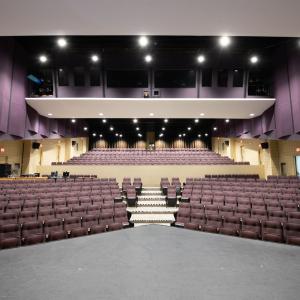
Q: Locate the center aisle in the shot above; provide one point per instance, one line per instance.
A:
(151, 208)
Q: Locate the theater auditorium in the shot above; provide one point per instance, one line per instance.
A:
(149, 149)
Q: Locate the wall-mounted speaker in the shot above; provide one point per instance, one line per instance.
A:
(226, 143)
(265, 145)
(73, 143)
(156, 93)
(35, 145)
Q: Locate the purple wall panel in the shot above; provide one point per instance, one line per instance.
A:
(246, 126)
(283, 113)
(17, 112)
(32, 120)
(268, 120)
(294, 80)
(6, 65)
(62, 127)
(44, 126)
(53, 126)
(79, 92)
(178, 92)
(125, 92)
(239, 127)
(218, 92)
(256, 129)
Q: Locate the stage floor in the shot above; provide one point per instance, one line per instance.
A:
(151, 262)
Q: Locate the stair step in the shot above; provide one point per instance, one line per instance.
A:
(152, 210)
(152, 218)
(151, 197)
(152, 203)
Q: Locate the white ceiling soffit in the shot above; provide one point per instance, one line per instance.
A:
(152, 17)
(235, 108)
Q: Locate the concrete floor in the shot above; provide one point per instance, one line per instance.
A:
(151, 262)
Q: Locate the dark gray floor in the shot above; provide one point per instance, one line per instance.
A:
(151, 262)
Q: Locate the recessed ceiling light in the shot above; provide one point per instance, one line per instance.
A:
(62, 42)
(117, 134)
(227, 121)
(151, 114)
(196, 120)
(252, 115)
(85, 128)
(135, 121)
(215, 128)
(140, 135)
(120, 135)
(161, 135)
(202, 114)
(201, 59)
(254, 59)
(199, 135)
(73, 121)
(95, 58)
(183, 134)
(189, 128)
(94, 134)
(43, 58)
(206, 134)
(180, 135)
(143, 41)
(148, 58)
(100, 114)
(163, 128)
(137, 128)
(50, 114)
(111, 128)
(104, 121)
(100, 135)
(224, 41)
(166, 120)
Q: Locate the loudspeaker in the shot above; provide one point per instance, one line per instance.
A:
(265, 145)
(226, 143)
(5, 170)
(35, 145)
(73, 143)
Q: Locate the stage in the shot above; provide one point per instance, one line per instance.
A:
(151, 262)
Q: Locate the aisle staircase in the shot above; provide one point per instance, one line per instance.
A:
(151, 208)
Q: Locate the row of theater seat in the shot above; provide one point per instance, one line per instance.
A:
(247, 207)
(14, 235)
(156, 157)
(35, 211)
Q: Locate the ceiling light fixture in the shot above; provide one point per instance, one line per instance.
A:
(95, 58)
(224, 41)
(201, 59)
(62, 42)
(254, 59)
(199, 135)
(43, 58)
(189, 128)
(100, 114)
(227, 121)
(104, 121)
(143, 41)
(120, 135)
(50, 114)
(180, 135)
(196, 120)
(166, 120)
(94, 134)
(252, 115)
(151, 114)
(111, 128)
(215, 128)
(135, 121)
(161, 135)
(202, 114)
(206, 134)
(183, 134)
(137, 128)
(100, 135)
(73, 121)
(163, 128)
(148, 58)
(85, 128)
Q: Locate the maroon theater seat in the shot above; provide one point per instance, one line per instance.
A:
(98, 229)
(53, 225)
(191, 226)
(32, 239)
(213, 223)
(76, 232)
(292, 233)
(231, 226)
(250, 228)
(90, 220)
(71, 223)
(272, 231)
(115, 226)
